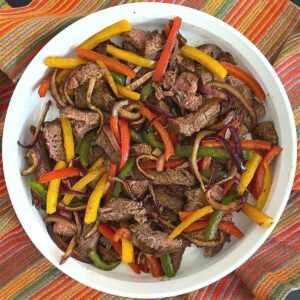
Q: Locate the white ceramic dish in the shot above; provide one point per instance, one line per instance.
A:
(196, 271)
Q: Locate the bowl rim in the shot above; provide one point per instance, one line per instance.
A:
(163, 289)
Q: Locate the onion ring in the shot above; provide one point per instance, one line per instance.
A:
(151, 157)
(54, 91)
(216, 205)
(134, 85)
(35, 162)
(220, 125)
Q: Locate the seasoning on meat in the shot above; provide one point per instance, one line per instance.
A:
(195, 199)
(266, 131)
(166, 199)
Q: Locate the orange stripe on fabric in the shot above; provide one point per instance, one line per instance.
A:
(244, 16)
(199, 3)
(234, 11)
(63, 290)
(34, 5)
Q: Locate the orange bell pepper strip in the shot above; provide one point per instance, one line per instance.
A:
(185, 214)
(155, 266)
(45, 85)
(204, 163)
(246, 78)
(168, 164)
(60, 173)
(257, 216)
(167, 51)
(125, 142)
(114, 126)
(169, 149)
(111, 63)
(173, 137)
(120, 233)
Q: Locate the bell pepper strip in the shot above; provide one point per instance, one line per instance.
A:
(83, 182)
(62, 74)
(118, 78)
(246, 144)
(257, 216)
(123, 174)
(125, 141)
(106, 33)
(136, 137)
(112, 171)
(59, 173)
(97, 164)
(108, 77)
(204, 163)
(163, 61)
(127, 93)
(246, 78)
(109, 235)
(68, 138)
(166, 264)
(53, 189)
(206, 60)
(111, 63)
(199, 213)
(146, 91)
(101, 264)
(38, 188)
(168, 164)
(227, 186)
(94, 200)
(258, 180)
(263, 197)
(150, 139)
(218, 153)
(130, 57)
(246, 177)
(45, 85)
(169, 149)
(114, 126)
(185, 214)
(120, 233)
(84, 147)
(215, 219)
(173, 137)
(63, 62)
(127, 251)
(155, 267)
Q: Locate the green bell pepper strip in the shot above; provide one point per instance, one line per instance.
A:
(76, 203)
(207, 174)
(38, 188)
(122, 175)
(216, 217)
(99, 263)
(166, 264)
(150, 139)
(84, 146)
(118, 78)
(136, 137)
(147, 90)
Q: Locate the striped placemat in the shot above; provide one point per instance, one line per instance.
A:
(273, 26)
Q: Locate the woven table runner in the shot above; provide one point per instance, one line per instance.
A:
(273, 26)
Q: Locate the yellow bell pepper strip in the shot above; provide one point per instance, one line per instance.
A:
(94, 200)
(247, 176)
(53, 190)
(63, 62)
(68, 138)
(97, 164)
(82, 183)
(108, 77)
(199, 213)
(207, 61)
(127, 93)
(263, 197)
(127, 251)
(257, 216)
(130, 57)
(106, 33)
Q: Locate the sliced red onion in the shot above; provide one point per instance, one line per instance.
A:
(220, 125)
(157, 110)
(76, 164)
(211, 92)
(64, 189)
(238, 145)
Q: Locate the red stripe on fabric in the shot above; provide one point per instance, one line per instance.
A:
(54, 286)
(12, 233)
(13, 241)
(234, 11)
(199, 3)
(244, 14)
(67, 286)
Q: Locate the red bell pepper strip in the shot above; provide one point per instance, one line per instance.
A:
(112, 171)
(109, 235)
(125, 142)
(155, 267)
(121, 233)
(173, 137)
(45, 85)
(247, 79)
(168, 164)
(56, 174)
(228, 184)
(258, 179)
(246, 144)
(111, 63)
(204, 163)
(169, 149)
(167, 51)
(114, 126)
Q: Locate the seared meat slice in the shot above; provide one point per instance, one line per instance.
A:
(126, 45)
(195, 199)
(67, 229)
(153, 44)
(163, 106)
(211, 49)
(101, 48)
(168, 81)
(135, 174)
(108, 255)
(168, 200)
(211, 251)
(266, 131)
(54, 140)
(227, 57)
(86, 244)
(193, 122)
(205, 76)
(159, 93)
(122, 209)
(136, 37)
(259, 109)
(138, 187)
(187, 82)
(83, 74)
(140, 149)
(176, 257)
(173, 177)
(189, 102)
(241, 87)
(95, 152)
(153, 242)
(169, 215)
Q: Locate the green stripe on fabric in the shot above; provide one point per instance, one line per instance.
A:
(224, 8)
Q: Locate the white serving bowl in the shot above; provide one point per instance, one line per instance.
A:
(196, 271)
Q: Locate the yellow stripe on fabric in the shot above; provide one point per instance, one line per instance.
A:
(297, 116)
(241, 12)
(212, 6)
(8, 221)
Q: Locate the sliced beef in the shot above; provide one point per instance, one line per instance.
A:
(159, 93)
(166, 199)
(241, 87)
(140, 149)
(122, 209)
(135, 174)
(176, 257)
(259, 109)
(37, 201)
(242, 130)
(83, 74)
(64, 229)
(212, 50)
(162, 106)
(101, 48)
(153, 45)
(195, 199)
(205, 76)
(54, 139)
(94, 153)
(153, 242)
(177, 190)
(193, 122)
(227, 57)
(187, 82)
(211, 251)
(173, 177)
(108, 255)
(128, 46)
(169, 215)
(136, 37)
(86, 244)
(266, 131)
(138, 187)
(169, 79)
